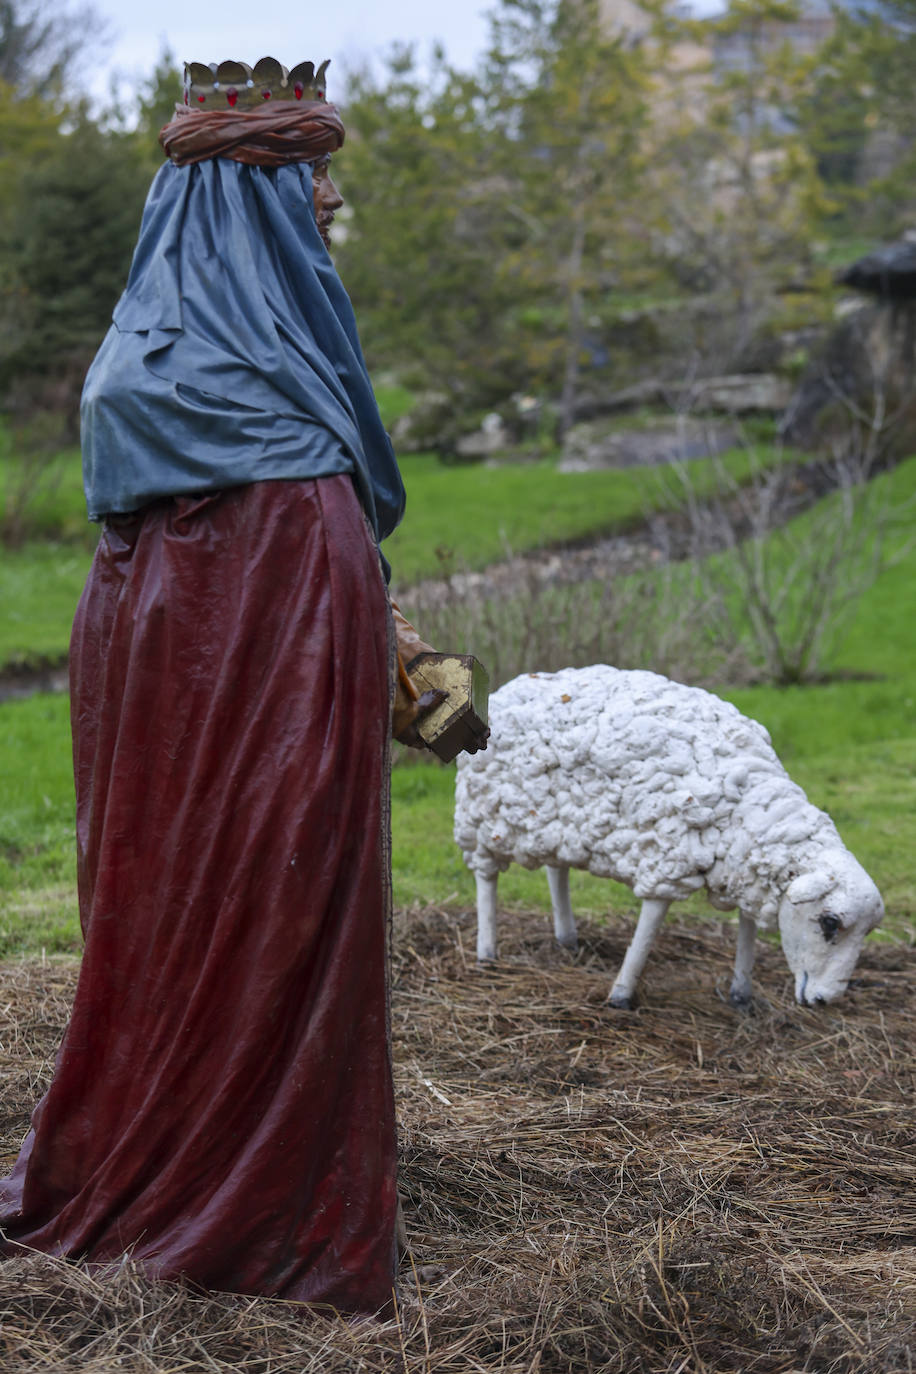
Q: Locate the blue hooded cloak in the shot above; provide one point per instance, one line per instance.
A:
(233, 356)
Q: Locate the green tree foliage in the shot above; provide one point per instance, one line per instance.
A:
(41, 44)
(569, 97)
(743, 199)
(70, 197)
(156, 104)
(835, 113)
(29, 128)
(489, 215)
(887, 38)
(874, 51)
(29, 132)
(68, 253)
(421, 251)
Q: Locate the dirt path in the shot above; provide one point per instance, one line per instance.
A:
(663, 537)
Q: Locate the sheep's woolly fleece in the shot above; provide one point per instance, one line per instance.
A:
(663, 787)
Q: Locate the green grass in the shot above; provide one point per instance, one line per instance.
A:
(393, 402)
(457, 517)
(40, 582)
(850, 743)
(467, 516)
(870, 792)
(55, 508)
(39, 588)
(37, 854)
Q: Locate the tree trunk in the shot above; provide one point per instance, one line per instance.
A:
(574, 320)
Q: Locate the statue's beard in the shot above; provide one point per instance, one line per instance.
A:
(324, 221)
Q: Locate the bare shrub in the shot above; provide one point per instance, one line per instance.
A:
(31, 467)
(743, 580)
(536, 623)
(780, 561)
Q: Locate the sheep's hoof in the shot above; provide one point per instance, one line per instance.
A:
(621, 1000)
(485, 960)
(740, 996)
(571, 942)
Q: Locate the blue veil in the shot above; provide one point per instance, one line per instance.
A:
(233, 355)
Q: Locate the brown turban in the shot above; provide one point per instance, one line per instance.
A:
(279, 133)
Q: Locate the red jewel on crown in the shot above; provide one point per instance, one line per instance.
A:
(247, 87)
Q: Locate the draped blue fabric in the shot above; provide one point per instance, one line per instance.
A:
(233, 355)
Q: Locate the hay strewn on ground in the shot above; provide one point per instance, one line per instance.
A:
(681, 1189)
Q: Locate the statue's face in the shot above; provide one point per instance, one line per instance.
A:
(327, 197)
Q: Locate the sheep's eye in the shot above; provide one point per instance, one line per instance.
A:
(829, 926)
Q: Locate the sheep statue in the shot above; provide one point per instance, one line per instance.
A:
(667, 789)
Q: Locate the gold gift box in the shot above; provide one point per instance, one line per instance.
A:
(461, 720)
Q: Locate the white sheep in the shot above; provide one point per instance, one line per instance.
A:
(667, 789)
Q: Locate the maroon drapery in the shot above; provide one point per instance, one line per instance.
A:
(222, 1104)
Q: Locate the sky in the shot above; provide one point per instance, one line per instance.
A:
(347, 31)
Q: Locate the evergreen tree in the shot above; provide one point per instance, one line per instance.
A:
(490, 216)
(419, 250)
(569, 97)
(156, 104)
(42, 43)
(67, 256)
(743, 200)
(874, 51)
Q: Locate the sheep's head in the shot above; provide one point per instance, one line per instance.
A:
(824, 917)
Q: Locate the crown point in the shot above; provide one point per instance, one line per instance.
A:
(251, 87)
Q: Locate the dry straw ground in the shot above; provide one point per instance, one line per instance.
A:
(681, 1189)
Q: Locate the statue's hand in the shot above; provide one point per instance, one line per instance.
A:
(408, 714)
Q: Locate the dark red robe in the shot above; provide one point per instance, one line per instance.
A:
(222, 1104)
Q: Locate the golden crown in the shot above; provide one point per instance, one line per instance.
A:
(235, 85)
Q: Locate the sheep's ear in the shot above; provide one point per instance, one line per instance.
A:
(810, 887)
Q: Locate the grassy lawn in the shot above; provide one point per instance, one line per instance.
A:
(458, 517)
(37, 856)
(39, 588)
(40, 581)
(468, 516)
(46, 489)
(850, 743)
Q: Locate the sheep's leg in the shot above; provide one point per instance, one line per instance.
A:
(486, 917)
(740, 991)
(647, 927)
(564, 922)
